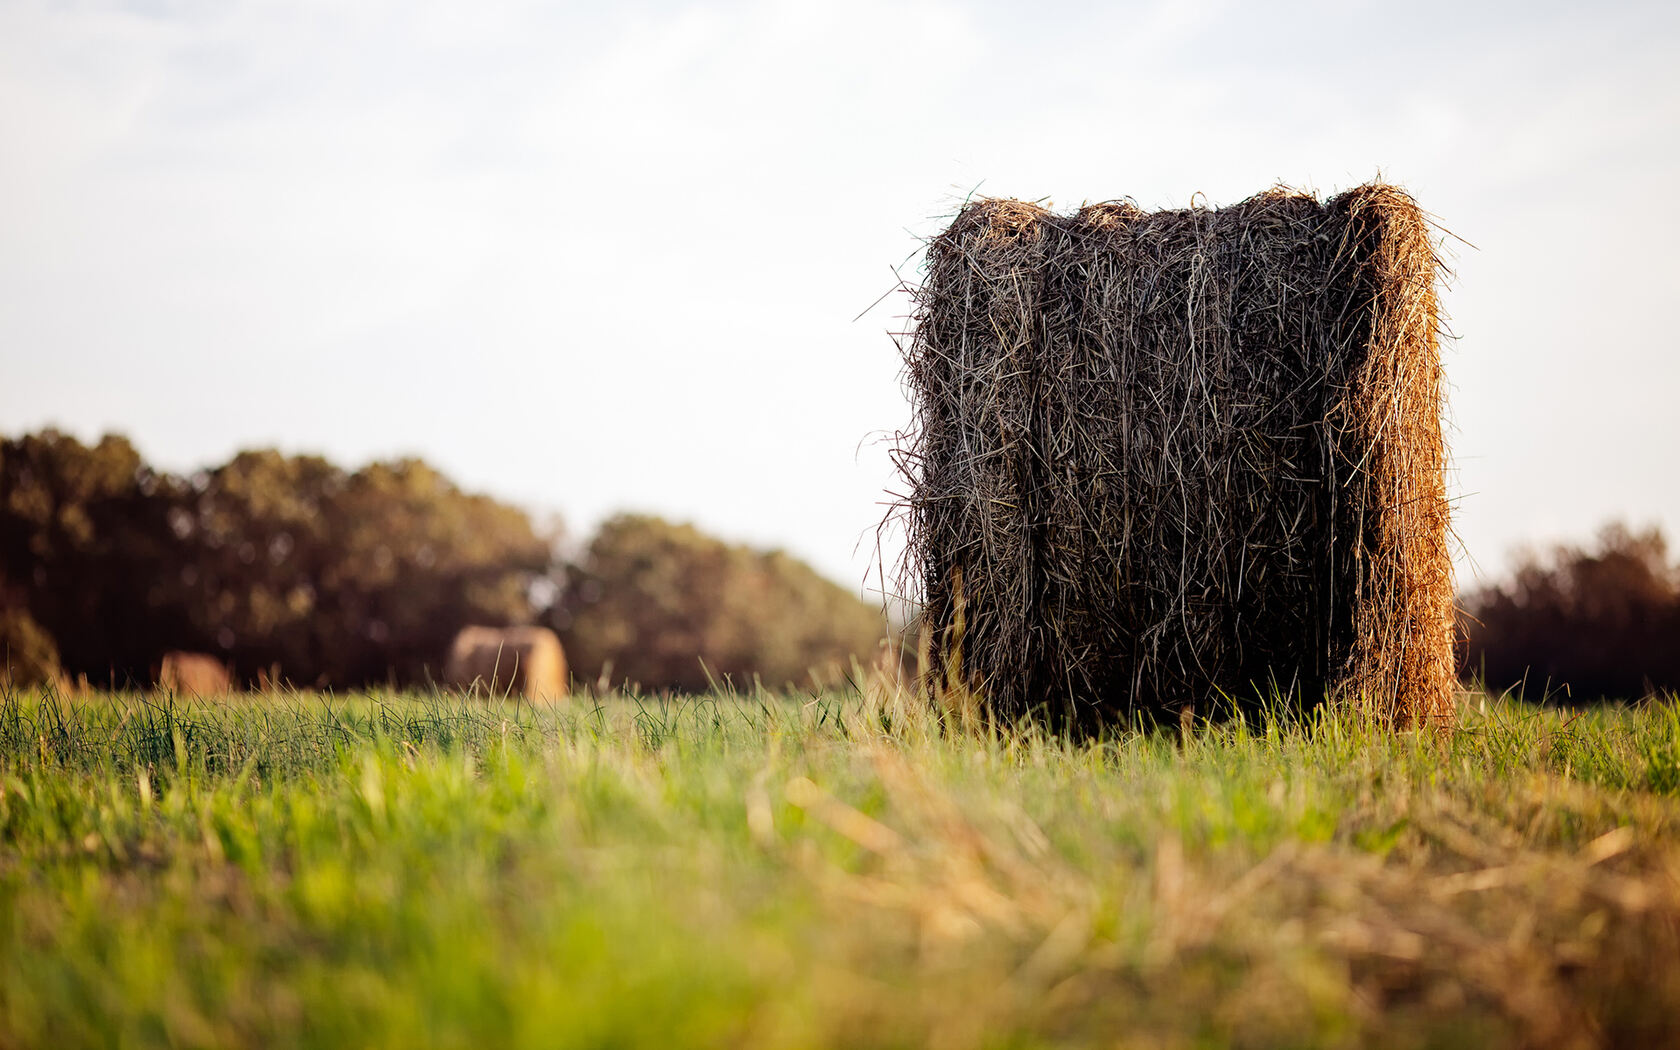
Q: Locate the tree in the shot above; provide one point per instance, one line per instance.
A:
(337, 578)
(1603, 622)
(665, 606)
(417, 559)
(85, 547)
(351, 578)
(257, 538)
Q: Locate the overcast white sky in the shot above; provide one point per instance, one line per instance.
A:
(588, 260)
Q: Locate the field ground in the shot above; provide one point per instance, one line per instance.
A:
(749, 871)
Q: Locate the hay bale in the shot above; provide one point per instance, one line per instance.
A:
(1159, 457)
(523, 661)
(197, 674)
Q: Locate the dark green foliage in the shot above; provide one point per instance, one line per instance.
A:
(329, 577)
(85, 546)
(269, 561)
(1582, 624)
(666, 606)
(351, 577)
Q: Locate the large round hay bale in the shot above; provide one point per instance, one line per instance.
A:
(194, 674)
(1162, 459)
(520, 661)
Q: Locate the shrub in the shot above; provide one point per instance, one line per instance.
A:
(28, 654)
(664, 605)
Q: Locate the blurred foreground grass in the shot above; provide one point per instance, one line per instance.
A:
(752, 871)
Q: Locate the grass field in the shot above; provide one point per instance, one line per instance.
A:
(754, 871)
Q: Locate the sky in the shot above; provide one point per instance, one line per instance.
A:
(590, 258)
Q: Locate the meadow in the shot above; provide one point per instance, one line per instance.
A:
(755, 870)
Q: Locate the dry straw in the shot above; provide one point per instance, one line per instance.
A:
(1163, 458)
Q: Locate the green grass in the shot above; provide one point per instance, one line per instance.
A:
(752, 871)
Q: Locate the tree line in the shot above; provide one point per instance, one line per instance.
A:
(293, 567)
(1580, 623)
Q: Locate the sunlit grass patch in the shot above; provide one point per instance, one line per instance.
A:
(745, 869)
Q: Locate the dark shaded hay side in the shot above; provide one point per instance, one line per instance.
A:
(1159, 457)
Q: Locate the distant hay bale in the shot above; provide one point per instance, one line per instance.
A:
(521, 661)
(1162, 457)
(195, 674)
